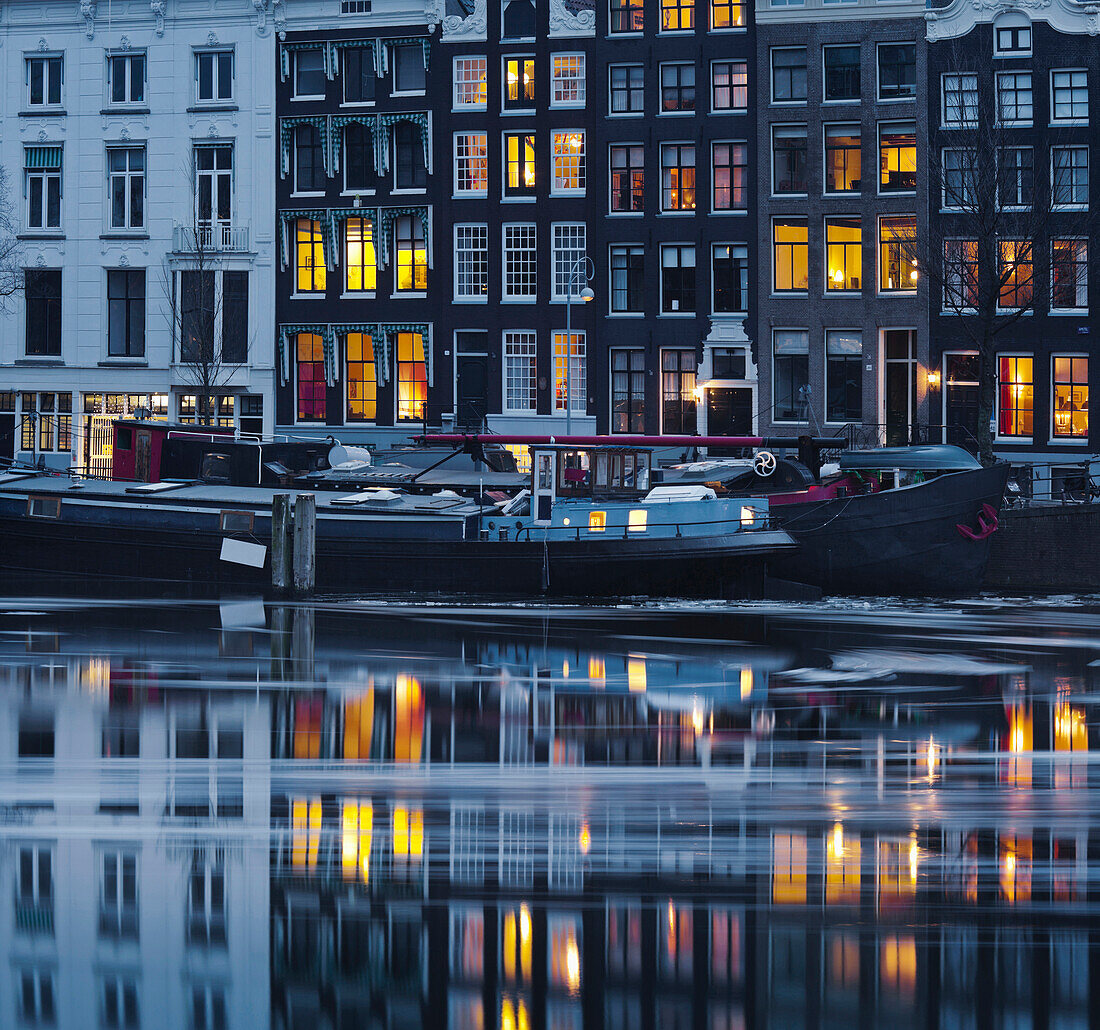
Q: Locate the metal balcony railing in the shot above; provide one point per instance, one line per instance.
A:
(215, 236)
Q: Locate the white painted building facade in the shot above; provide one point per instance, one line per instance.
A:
(130, 130)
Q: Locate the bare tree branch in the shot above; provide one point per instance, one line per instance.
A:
(11, 248)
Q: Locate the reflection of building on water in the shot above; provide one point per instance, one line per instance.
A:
(192, 849)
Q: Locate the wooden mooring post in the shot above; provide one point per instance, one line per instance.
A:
(305, 543)
(281, 544)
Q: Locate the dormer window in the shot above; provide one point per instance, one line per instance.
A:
(1012, 35)
(518, 19)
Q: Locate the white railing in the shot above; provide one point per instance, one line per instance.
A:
(216, 236)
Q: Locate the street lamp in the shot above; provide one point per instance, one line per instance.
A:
(582, 263)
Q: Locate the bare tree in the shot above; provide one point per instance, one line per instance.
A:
(11, 258)
(1000, 204)
(210, 332)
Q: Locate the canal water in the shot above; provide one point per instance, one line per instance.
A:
(361, 814)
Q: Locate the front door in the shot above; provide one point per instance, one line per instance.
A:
(473, 390)
(141, 458)
(960, 400)
(900, 386)
(7, 435)
(729, 413)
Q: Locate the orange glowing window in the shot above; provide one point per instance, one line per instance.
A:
(842, 855)
(789, 868)
(898, 965)
(408, 719)
(357, 832)
(516, 944)
(1015, 868)
(597, 521)
(305, 833)
(358, 723)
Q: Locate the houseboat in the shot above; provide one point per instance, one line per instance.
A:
(589, 523)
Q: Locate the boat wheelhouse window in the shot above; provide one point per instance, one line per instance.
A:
(237, 521)
(573, 471)
(601, 470)
(44, 507)
(124, 438)
(216, 468)
(546, 472)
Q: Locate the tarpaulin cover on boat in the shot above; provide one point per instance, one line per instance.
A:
(926, 458)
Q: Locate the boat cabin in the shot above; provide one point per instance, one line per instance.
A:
(149, 452)
(598, 473)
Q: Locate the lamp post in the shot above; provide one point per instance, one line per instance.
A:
(587, 294)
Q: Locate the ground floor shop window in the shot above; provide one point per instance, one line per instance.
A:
(46, 422)
(1071, 396)
(1016, 396)
(206, 410)
(678, 392)
(361, 378)
(310, 352)
(578, 387)
(412, 377)
(99, 412)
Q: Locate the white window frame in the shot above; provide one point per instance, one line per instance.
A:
(945, 205)
(127, 57)
(1021, 22)
(745, 295)
(215, 100)
(879, 98)
(582, 164)
(1073, 441)
(1072, 205)
(999, 112)
(294, 58)
(945, 123)
(578, 370)
(1083, 309)
(556, 254)
(513, 253)
(725, 110)
(559, 82)
(680, 246)
(128, 175)
(462, 63)
(520, 340)
(457, 158)
(788, 329)
(628, 66)
(468, 229)
(46, 175)
(1071, 72)
(45, 57)
(1014, 206)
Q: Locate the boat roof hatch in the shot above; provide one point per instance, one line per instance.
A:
(924, 458)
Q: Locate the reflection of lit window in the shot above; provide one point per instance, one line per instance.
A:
(789, 868)
(624, 940)
(842, 854)
(408, 834)
(897, 872)
(842, 960)
(676, 942)
(597, 671)
(307, 728)
(513, 1013)
(357, 831)
(636, 674)
(1019, 744)
(408, 719)
(898, 965)
(305, 832)
(565, 956)
(467, 943)
(516, 934)
(725, 946)
(1015, 868)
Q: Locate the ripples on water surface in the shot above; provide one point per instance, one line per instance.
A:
(367, 815)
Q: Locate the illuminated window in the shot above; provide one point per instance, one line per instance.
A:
(790, 254)
(843, 160)
(568, 157)
(677, 15)
(897, 157)
(469, 80)
(305, 832)
(627, 178)
(412, 255)
(676, 942)
(564, 932)
(311, 378)
(1015, 861)
(1015, 396)
(567, 80)
(842, 858)
(898, 965)
(408, 836)
(360, 260)
(729, 86)
(578, 389)
(519, 83)
(412, 376)
(356, 838)
(519, 164)
(471, 164)
(637, 520)
(843, 253)
(358, 722)
(789, 868)
(897, 872)
(361, 378)
(1069, 274)
(627, 15)
(897, 266)
(729, 174)
(1015, 274)
(726, 14)
(677, 177)
(310, 252)
(1071, 396)
(516, 944)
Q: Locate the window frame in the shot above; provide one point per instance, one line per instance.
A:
(882, 97)
(48, 59)
(1077, 309)
(829, 222)
(47, 177)
(368, 244)
(962, 123)
(297, 189)
(632, 11)
(733, 86)
(634, 292)
(849, 416)
(557, 80)
(520, 105)
(472, 159)
(476, 297)
(127, 58)
(681, 291)
(825, 98)
(792, 100)
(557, 228)
(881, 290)
(679, 88)
(128, 175)
(631, 91)
(777, 415)
(1072, 119)
(885, 128)
(630, 170)
(999, 434)
(738, 148)
(678, 173)
(793, 131)
(558, 164)
(514, 339)
(1074, 170)
(1017, 75)
(512, 254)
(826, 150)
(523, 191)
(635, 401)
(1072, 382)
(457, 104)
(796, 221)
(128, 350)
(742, 285)
(214, 52)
